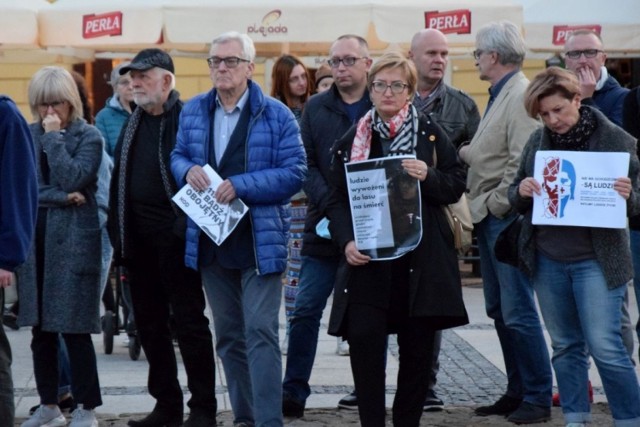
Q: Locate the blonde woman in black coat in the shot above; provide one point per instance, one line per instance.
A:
(417, 293)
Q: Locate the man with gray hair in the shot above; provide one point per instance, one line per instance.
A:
(253, 142)
(493, 156)
(147, 233)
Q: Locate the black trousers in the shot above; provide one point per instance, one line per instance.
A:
(367, 332)
(162, 287)
(85, 385)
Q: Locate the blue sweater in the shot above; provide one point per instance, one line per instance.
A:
(274, 171)
(18, 186)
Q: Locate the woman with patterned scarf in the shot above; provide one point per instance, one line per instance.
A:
(580, 274)
(418, 292)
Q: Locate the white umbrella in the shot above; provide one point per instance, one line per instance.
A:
(399, 20)
(19, 23)
(548, 23)
(112, 25)
(287, 25)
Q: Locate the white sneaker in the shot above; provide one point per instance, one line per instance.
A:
(46, 417)
(83, 418)
(343, 347)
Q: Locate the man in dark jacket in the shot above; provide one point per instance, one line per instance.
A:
(147, 234)
(325, 118)
(18, 208)
(585, 56)
(456, 112)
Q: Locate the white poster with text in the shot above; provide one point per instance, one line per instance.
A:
(385, 207)
(216, 220)
(577, 189)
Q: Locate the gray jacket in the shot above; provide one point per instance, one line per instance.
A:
(611, 245)
(72, 239)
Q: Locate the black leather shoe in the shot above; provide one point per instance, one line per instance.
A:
(504, 406)
(529, 413)
(291, 407)
(200, 420)
(158, 418)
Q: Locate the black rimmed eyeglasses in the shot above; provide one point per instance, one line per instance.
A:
(588, 53)
(349, 61)
(229, 61)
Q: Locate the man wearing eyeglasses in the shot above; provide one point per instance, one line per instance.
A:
(147, 233)
(493, 157)
(253, 142)
(585, 56)
(326, 117)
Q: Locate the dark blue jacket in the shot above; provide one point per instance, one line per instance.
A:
(324, 121)
(274, 171)
(18, 186)
(609, 100)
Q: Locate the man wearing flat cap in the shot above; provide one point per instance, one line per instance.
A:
(147, 233)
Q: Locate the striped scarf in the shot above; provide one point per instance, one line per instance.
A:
(402, 130)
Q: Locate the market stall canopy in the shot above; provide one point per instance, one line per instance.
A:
(309, 27)
(397, 21)
(102, 25)
(288, 25)
(548, 23)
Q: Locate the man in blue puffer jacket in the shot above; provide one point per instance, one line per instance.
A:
(253, 142)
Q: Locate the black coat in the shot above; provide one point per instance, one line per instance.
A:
(324, 121)
(434, 289)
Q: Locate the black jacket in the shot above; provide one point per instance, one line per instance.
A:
(324, 120)
(119, 222)
(457, 113)
(434, 289)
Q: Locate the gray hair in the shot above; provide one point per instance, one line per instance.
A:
(504, 38)
(115, 74)
(248, 48)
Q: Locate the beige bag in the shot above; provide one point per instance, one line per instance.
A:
(459, 217)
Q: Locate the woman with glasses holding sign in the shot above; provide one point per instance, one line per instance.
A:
(410, 295)
(60, 284)
(580, 274)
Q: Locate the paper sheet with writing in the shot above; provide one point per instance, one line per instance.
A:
(215, 219)
(385, 207)
(577, 189)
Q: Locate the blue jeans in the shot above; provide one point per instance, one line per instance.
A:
(581, 312)
(317, 275)
(245, 310)
(635, 254)
(510, 303)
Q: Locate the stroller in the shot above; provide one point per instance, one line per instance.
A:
(111, 323)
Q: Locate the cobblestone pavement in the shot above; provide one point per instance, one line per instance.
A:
(452, 416)
(466, 380)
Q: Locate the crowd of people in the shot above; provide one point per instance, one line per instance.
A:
(88, 190)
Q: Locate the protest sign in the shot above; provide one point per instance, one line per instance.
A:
(217, 220)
